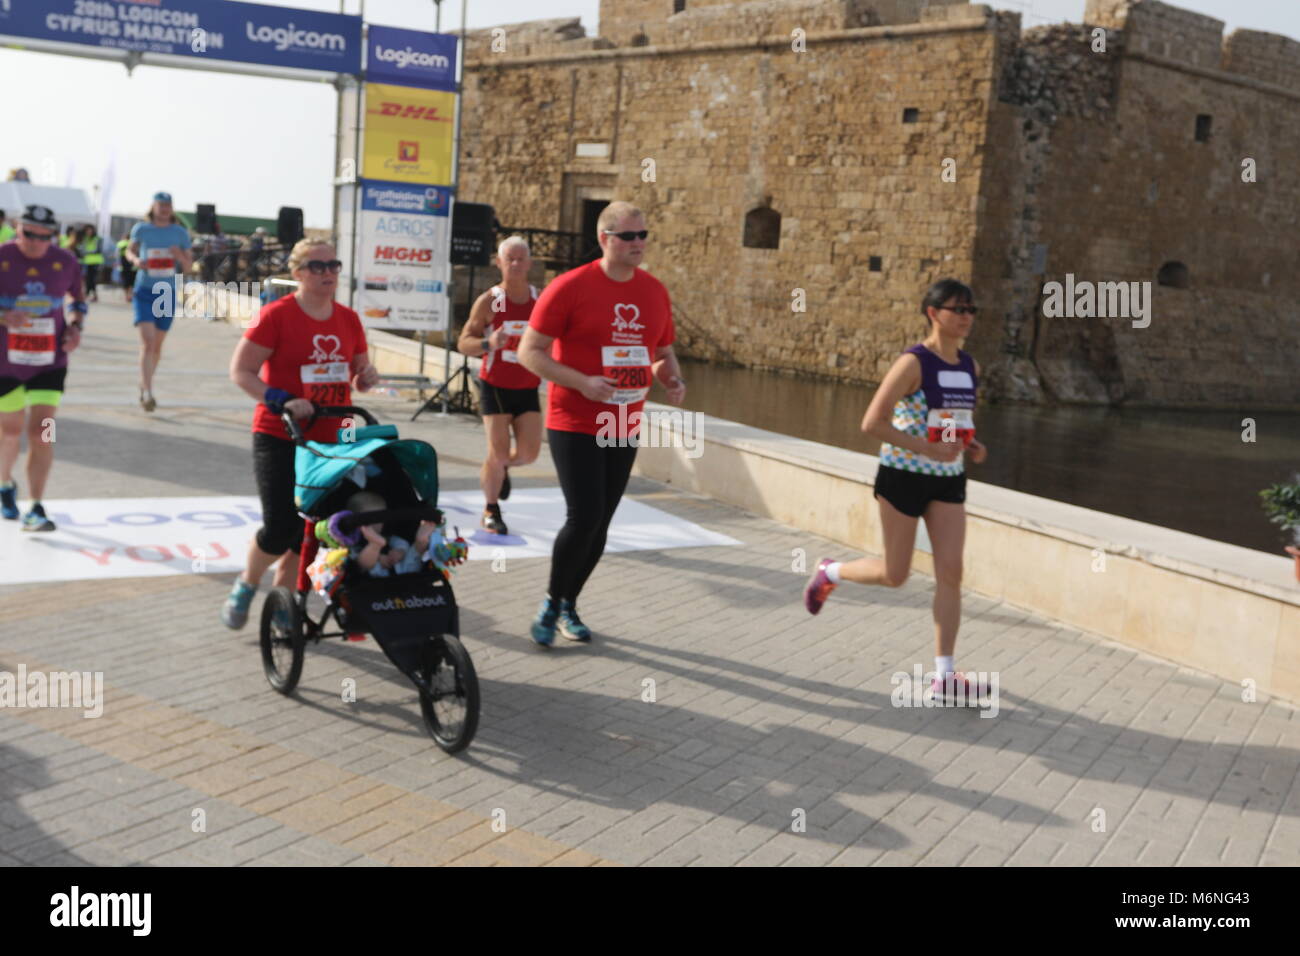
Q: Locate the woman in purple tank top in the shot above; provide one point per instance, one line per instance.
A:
(923, 413)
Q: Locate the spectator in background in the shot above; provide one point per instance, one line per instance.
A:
(214, 252)
(69, 240)
(253, 252)
(19, 175)
(6, 231)
(92, 258)
(126, 266)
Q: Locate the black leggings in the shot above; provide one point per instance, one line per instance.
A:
(281, 529)
(592, 479)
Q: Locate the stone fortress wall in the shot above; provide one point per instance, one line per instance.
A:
(1059, 158)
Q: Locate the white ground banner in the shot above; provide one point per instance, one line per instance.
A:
(140, 537)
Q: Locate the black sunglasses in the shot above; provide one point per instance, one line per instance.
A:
(320, 266)
(39, 236)
(629, 235)
(961, 309)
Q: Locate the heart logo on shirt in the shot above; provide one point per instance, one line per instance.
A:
(626, 316)
(326, 348)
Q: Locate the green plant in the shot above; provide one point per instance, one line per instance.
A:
(1282, 505)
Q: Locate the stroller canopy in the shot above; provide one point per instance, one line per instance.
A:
(319, 467)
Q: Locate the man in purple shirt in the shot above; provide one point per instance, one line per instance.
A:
(35, 339)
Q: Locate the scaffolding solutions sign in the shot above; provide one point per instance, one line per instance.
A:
(404, 265)
(243, 32)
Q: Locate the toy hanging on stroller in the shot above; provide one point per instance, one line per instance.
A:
(407, 605)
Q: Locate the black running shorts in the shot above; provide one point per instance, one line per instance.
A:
(273, 460)
(493, 400)
(911, 492)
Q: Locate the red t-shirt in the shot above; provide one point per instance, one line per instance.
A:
(501, 366)
(603, 327)
(311, 359)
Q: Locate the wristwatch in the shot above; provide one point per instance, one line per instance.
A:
(487, 345)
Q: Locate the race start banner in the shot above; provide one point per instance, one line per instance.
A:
(226, 30)
(404, 256)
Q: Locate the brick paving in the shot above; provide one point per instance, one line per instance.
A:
(770, 740)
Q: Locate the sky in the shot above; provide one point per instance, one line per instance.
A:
(250, 145)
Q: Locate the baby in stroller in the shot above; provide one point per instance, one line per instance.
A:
(379, 556)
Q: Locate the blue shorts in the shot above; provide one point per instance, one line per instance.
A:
(143, 299)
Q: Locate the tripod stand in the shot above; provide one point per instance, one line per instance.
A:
(457, 387)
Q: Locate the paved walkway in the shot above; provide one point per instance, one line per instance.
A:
(771, 738)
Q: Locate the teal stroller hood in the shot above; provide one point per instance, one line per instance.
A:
(319, 467)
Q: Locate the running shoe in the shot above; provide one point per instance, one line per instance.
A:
(544, 623)
(819, 588)
(504, 493)
(35, 519)
(9, 501)
(234, 613)
(571, 625)
(957, 688)
(147, 401)
(492, 520)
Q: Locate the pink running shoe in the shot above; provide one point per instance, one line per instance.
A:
(957, 688)
(819, 588)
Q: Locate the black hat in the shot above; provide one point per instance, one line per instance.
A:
(40, 216)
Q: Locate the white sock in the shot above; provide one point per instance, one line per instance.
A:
(833, 572)
(943, 666)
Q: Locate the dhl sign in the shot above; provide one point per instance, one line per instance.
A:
(408, 136)
(411, 111)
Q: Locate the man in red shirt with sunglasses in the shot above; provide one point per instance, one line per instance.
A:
(599, 334)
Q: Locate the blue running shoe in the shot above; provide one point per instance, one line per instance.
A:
(544, 623)
(9, 501)
(570, 624)
(35, 519)
(234, 613)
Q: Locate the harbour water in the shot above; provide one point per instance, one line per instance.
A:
(1184, 469)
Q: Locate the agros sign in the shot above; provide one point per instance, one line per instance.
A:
(411, 57)
(285, 38)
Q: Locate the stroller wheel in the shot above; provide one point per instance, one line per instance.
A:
(450, 705)
(282, 640)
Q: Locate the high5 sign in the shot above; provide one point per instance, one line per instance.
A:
(216, 29)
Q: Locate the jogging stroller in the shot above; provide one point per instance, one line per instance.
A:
(412, 616)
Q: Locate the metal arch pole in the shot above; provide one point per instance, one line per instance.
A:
(455, 194)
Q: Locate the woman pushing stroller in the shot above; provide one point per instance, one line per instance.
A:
(304, 350)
